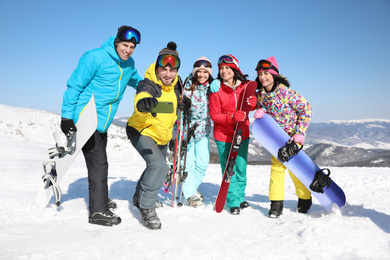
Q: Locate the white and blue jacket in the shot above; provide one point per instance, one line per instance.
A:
(200, 108)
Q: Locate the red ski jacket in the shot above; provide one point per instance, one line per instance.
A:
(223, 104)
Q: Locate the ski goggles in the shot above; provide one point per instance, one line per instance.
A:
(266, 65)
(126, 34)
(204, 63)
(227, 59)
(168, 60)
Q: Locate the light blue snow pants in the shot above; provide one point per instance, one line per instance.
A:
(198, 157)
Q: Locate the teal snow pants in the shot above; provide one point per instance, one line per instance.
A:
(236, 192)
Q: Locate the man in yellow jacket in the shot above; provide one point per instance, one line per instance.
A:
(151, 132)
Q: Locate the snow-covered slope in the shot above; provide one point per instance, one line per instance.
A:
(359, 230)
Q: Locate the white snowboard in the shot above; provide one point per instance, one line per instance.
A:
(86, 126)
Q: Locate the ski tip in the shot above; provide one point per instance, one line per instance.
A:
(218, 209)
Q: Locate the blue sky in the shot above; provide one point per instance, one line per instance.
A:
(335, 53)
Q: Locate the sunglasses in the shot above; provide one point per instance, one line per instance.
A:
(227, 59)
(168, 60)
(205, 63)
(266, 65)
(127, 34)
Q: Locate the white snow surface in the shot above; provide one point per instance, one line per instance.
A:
(359, 230)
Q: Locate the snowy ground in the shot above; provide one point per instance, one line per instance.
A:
(360, 230)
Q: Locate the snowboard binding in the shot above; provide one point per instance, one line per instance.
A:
(288, 151)
(61, 150)
(49, 168)
(50, 178)
(232, 161)
(320, 181)
(230, 172)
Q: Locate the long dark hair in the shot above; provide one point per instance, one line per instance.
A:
(277, 80)
(237, 76)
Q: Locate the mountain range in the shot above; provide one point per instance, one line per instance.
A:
(335, 143)
(361, 143)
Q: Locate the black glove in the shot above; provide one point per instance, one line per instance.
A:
(185, 104)
(145, 104)
(67, 125)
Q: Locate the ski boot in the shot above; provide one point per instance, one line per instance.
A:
(304, 205)
(106, 218)
(235, 210)
(150, 219)
(276, 209)
(244, 205)
(194, 201)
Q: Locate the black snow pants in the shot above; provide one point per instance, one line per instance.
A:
(96, 159)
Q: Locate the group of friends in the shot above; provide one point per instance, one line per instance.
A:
(108, 70)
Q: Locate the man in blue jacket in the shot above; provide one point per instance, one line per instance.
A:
(106, 72)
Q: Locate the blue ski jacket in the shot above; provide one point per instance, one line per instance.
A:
(100, 71)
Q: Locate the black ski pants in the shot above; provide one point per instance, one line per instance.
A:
(96, 159)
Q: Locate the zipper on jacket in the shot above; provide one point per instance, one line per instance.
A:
(117, 94)
(235, 98)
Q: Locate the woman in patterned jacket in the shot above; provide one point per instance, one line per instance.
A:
(198, 151)
(293, 113)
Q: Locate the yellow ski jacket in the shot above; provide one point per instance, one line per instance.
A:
(159, 128)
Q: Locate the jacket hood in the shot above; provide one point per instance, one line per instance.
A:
(109, 46)
(151, 74)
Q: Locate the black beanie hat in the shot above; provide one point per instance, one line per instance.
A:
(122, 29)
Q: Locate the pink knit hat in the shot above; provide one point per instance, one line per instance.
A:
(202, 63)
(273, 69)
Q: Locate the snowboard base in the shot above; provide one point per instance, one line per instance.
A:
(271, 136)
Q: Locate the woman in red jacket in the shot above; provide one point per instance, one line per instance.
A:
(224, 113)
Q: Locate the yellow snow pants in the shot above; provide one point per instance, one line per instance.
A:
(276, 184)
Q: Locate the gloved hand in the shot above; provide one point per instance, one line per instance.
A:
(259, 113)
(252, 101)
(239, 116)
(215, 85)
(298, 139)
(185, 103)
(145, 104)
(67, 125)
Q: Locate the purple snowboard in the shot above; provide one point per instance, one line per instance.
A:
(271, 136)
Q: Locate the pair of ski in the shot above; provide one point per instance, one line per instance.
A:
(177, 155)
